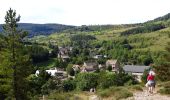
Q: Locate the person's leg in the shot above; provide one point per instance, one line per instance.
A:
(151, 89)
(154, 87)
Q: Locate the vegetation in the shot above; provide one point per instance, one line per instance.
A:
(21, 57)
(144, 29)
(42, 29)
(14, 61)
(163, 67)
(116, 92)
(165, 88)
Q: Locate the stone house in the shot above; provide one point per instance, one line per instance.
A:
(113, 63)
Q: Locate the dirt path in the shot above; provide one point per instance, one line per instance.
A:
(144, 95)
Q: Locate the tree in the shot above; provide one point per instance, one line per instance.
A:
(15, 63)
(106, 80)
(69, 85)
(85, 81)
(38, 53)
(40, 82)
(70, 70)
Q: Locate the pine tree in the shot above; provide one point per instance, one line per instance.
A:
(15, 64)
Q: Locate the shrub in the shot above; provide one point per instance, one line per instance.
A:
(70, 70)
(68, 85)
(105, 93)
(165, 88)
(164, 91)
(85, 81)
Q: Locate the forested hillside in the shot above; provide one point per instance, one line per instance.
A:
(41, 29)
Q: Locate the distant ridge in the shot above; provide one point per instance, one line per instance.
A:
(41, 29)
(47, 29)
(163, 18)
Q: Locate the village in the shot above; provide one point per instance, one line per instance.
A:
(91, 66)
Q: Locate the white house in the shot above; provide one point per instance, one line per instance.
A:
(52, 72)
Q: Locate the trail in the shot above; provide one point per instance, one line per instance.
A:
(144, 95)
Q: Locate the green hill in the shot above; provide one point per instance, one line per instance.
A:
(130, 43)
(41, 29)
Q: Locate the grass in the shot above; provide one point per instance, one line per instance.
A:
(112, 93)
(74, 95)
(135, 88)
(165, 91)
(164, 88)
(115, 93)
(61, 96)
(154, 41)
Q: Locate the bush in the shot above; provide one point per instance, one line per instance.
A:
(70, 70)
(165, 88)
(105, 93)
(164, 91)
(85, 81)
(69, 85)
(106, 80)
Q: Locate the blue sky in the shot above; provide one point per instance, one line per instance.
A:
(85, 12)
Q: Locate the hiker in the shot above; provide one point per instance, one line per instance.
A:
(151, 81)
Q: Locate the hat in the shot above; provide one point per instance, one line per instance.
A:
(152, 73)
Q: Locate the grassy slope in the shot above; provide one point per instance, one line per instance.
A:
(154, 41)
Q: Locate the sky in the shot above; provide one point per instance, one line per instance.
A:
(85, 12)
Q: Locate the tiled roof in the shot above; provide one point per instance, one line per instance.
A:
(135, 68)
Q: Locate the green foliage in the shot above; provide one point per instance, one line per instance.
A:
(81, 40)
(147, 61)
(163, 18)
(135, 88)
(36, 82)
(52, 84)
(55, 50)
(144, 76)
(85, 81)
(165, 88)
(116, 92)
(163, 67)
(38, 54)
(69, 85)
(106, 80)
(70, 70)
(144, 29)
(60, 96)
(122, 78)
(164, 91)
(15, 62)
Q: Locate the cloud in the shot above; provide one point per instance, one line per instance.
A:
(86, 12)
